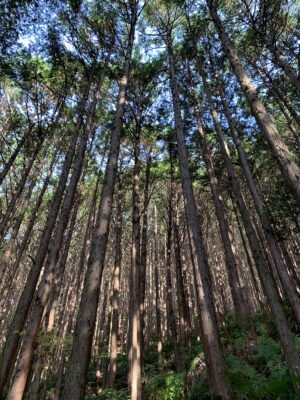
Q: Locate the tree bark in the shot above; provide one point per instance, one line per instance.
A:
(226, 234)
(280, 152)
(211, 340)
(83, 334)
(10, 349)
(41, 299)
(134, 349)
(268, 231)
(143, 266)
(286, 338)
(157, 293)
(172, 326)
(116, 287)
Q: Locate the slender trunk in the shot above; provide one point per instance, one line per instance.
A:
(10, 349)
(41, 299)
(143, 264)
(185, 321)
(277, 97)
(281, 61)
(172, 327)
(211, 339)
(15, 154)
(101, 328)
(105, 344)
(157, 294)
(280, 152)
(10, 162)
(249, 260)
(134, 353)
(286, 338)
(268, 231)
(25, 239)
(22, 209)
(66, 331)
(279, 94)
(19, 190)
(290, 264)
(186, 284)
(226, 234)
(116, 287)
(150, 297)
(278, 58)
(59, 273)
(84, 330)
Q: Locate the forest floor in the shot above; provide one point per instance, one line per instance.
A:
(256, 368)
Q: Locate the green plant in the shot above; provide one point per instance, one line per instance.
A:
(165, 387)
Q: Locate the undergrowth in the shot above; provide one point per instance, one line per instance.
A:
(255, 368)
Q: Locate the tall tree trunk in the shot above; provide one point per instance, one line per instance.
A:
(116, 287)
(172, 326)
(134, 349)
(10, 278)
(14, 155)
(40, 302)
(185, 321)
(19, 190)
(211, 340)
(278, 99)
(279, 94)
(143, 264)
(226, 234)
(22, 209)
(10, 349)
(84, 330)
(60, 105)
(59, 272)
(248, 257)
(268, 231)
(270, 43)
(280, 152)
(157, 293)
(101, 329)
(286, 338)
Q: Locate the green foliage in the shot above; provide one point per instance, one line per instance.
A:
(165, 387)
(256, 369)
(259, 372)
(121, 375)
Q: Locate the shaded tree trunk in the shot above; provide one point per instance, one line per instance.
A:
(134, 344)
(84, 330)
(268, 231)
(116, 287)
(226, 234)
(11, 345)
(143, 266)
(280, 152)
(211, 340)
(157, 293)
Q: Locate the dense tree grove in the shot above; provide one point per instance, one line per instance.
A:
(149, 199)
